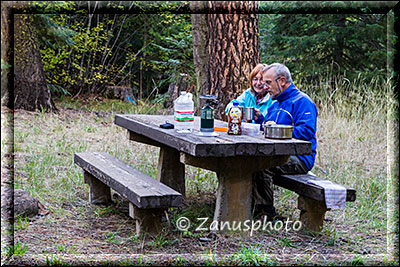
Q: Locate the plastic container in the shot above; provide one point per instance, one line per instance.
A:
(184, 113)
(251, 128)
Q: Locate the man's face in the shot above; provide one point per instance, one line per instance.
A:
(273, 85)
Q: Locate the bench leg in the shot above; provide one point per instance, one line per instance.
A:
(312, 213)
(171, 171)
(147, 220)
(99, 193)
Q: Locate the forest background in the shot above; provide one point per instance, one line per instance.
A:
(87, 54)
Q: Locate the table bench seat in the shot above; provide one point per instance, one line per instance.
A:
(311, 199)
(148, 198)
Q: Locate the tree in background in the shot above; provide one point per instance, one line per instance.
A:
(84, 53)
(319, 46)
(200, 46)
(233, 49)
(30, 87)
(30, 91)
(143, 51)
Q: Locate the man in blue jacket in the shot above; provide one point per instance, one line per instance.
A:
(303, 115)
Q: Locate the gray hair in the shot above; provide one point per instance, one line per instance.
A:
(280, 70)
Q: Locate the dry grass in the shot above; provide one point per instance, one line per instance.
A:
(352, 147)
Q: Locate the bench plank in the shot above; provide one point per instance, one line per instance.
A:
(140, 189)
(298, 183)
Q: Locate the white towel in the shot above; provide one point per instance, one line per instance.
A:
(335, 195)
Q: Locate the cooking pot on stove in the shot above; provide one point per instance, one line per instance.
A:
(279, 131)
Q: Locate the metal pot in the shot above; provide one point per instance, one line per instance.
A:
(279, 131)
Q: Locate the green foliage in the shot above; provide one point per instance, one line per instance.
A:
(55, 261)
(52, 7)
(77, 64)
(21, 223)
(159, 240)
(4, 65)
(318, 45)
(357, 261)
(285, 242)
(18, 249)
(86, 53)
(200, 178)
(252, 256)
(112, 237)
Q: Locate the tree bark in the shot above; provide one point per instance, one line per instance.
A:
(200, 47)
(30, 87)
(233, 49)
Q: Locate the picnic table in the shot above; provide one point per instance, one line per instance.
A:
(234, 158)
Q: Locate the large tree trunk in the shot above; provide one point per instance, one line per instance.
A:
(233, 49)
(30, 87)
(200, 48)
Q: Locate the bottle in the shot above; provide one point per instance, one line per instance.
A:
(207, 118)
(235, 120)
(184, 113)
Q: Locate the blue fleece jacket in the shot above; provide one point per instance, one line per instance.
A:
(248, 99)
(304, 113)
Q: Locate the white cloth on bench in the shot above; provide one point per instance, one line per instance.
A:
(335, 195)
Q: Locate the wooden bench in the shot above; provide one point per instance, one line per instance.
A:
(148, 198)
(311, 199)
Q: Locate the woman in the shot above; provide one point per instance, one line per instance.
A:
(256, 96)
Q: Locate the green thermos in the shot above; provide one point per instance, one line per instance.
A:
(207, 114)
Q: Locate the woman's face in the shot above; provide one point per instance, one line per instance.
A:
(257, 82)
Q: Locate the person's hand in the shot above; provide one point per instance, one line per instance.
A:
(267, 123)
(257, 113)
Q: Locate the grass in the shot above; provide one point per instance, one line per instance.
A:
(353, 145)
(18, 249)
(252, 256)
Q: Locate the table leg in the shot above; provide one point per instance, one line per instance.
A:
(235, 175)
(171, 171)
(234, 196)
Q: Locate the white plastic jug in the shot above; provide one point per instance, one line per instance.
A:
(184, 113)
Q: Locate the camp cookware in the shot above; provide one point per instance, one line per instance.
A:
(248, 113)
(279, 131)
(250, 128)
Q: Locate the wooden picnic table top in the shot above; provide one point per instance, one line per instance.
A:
(223, 145)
